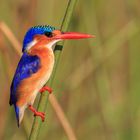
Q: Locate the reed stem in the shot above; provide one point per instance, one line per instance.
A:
(44, 97)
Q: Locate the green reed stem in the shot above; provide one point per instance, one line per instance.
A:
(57, 52)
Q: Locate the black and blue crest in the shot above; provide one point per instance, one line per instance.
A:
(40, 29)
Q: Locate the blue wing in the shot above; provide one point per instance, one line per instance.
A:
(26, 67)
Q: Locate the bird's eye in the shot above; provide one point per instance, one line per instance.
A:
(48, 34)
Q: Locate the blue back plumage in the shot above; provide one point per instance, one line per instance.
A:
(40, 29)
(26, 67)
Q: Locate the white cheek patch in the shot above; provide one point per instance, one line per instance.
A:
(31, 44)
(49, 45)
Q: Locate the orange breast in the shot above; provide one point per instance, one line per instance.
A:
(29, 87)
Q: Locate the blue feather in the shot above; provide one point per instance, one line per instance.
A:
(17, 114)
(40, 29)
(26, 67)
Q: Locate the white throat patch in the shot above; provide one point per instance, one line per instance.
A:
(52, 43)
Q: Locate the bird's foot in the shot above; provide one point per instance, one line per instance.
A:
(36, 113)
(40, 114)
(43, 89)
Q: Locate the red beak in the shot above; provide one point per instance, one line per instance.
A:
(73, 35)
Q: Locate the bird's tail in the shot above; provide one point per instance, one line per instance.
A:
(19, 114)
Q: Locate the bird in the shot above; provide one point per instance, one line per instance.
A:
(35, 67)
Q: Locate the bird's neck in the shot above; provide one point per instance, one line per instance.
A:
(42, 53)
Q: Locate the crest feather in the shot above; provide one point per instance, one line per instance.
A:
(39, 29)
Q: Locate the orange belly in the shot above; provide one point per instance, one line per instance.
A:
(28, 88)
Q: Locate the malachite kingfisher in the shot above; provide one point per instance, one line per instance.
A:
(35, 67)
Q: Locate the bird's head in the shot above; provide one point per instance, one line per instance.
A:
(50, 35)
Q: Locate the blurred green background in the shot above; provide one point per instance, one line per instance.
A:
(97, 81)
